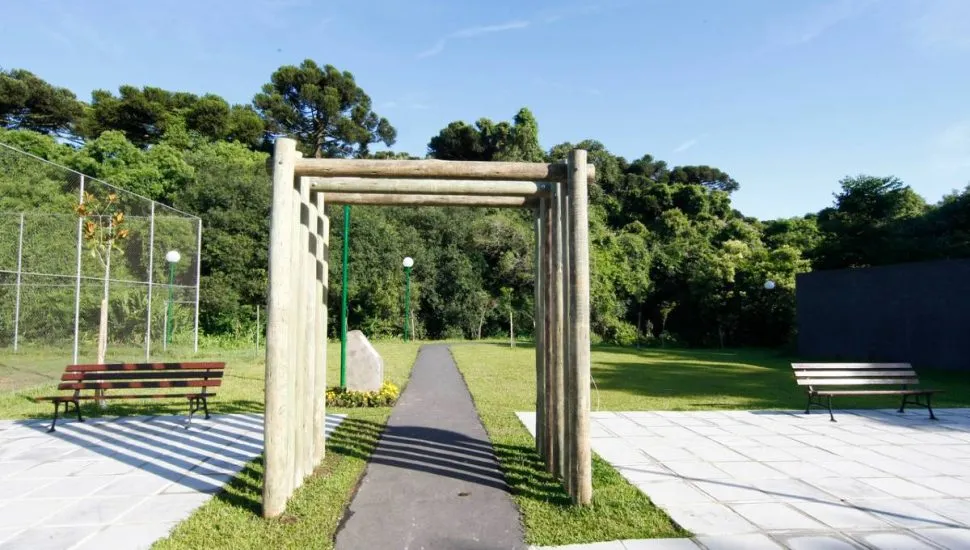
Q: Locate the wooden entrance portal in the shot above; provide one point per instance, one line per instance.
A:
(299, 252)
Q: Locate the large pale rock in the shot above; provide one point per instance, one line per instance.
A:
(365, 367)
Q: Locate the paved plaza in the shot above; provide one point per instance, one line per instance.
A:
(116, 483)
(781, 479)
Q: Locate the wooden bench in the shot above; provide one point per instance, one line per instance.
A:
(815, 375)
(140, 376)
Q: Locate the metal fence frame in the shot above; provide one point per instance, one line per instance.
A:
(78, 277)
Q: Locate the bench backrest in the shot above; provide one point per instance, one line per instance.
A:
(142, 376)
(854, 374)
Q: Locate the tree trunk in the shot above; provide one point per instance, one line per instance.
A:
(103, 324)
(511, 330)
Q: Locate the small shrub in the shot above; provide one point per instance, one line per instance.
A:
(342, 397)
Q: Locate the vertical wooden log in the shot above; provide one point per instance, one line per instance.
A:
(298, 348)
(308, 301)
(567, 338)
(559, 323)
(538, 316)
(276, 480)
(548, 333)
(579, 352)
(320, 364)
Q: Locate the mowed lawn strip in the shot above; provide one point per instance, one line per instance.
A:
(502, 381)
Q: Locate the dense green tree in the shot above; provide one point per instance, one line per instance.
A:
(861, 229)
(324, 109)
(27, 102)
(145, 115)
(488, 140)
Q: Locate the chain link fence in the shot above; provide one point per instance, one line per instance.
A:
(73, 248)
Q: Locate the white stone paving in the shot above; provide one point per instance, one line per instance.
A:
(783, 479)
(116, 483)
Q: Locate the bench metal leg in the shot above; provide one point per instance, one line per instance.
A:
(808, 408)
(929, 406)
(831, 416)
(57, 407)
(67, 409)
(195, 405)
(902, 407)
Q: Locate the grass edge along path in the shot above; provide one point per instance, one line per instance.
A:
(232, 518)
(619, 510)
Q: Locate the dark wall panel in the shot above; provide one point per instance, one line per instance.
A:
(916, 313)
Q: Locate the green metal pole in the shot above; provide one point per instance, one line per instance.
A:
(407, 302)
(343, 298)
(171, 282)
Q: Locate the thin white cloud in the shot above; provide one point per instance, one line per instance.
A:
(472, 32)
(686, 145)
(805, 26)
(942, 25)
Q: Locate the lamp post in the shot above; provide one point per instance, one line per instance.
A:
(408, 264)
(172, 257)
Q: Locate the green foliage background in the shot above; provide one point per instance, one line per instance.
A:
(672, 260)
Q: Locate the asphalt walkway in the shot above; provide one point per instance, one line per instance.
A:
(433, 481)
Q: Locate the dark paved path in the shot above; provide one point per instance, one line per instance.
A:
(433, 481)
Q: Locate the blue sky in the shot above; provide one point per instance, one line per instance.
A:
(786, 96)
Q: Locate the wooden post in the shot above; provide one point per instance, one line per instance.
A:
(388, 199)
(308, 301)
(567, 338)
(297, 349)
(548, 333)
(429, 187)
(320, 364)
(579, 354)
(538, 316)
(558, 328)
(440, 169)
(277, 477)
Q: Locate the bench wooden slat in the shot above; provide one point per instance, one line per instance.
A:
(141, 375)
(851, 373)
(138, 385)
(852, 366)
(854, 381)
(876, 392)
(145, 366)
(125, 396)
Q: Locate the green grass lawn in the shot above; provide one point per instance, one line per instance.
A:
(502, 381)
(232, 518)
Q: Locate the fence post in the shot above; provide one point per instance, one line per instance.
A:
(151, 275)
(20, 270)
(198, 283)
(77, 283)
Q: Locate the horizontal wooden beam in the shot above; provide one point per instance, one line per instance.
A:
(429, 200)
(428, 186)
(450, 169)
